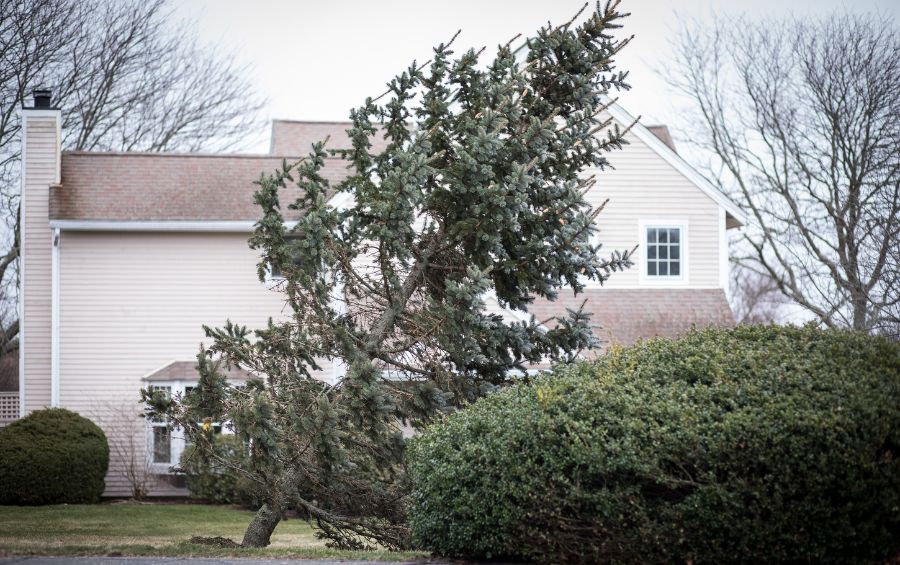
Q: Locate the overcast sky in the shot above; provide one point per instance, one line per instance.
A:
(315, 60)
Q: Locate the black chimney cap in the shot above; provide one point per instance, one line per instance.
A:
(42, 98)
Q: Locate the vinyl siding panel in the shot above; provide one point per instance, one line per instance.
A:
(131, 303)
(643, 186)
(40, 170)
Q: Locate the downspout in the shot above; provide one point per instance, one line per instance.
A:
(338, 367)
(724, 265)
(54, 320)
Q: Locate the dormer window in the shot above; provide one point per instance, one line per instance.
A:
(664, 257)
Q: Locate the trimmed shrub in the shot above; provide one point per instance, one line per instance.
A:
(753, 444)
(211, 479)
(52, 456)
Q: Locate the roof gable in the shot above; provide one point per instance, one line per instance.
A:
(189, 371)
(668, 154)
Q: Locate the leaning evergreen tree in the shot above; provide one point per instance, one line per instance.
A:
(477, 196)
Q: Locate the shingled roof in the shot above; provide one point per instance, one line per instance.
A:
(662, 132)
(291, 137)
(191, 187)
(165, 186)
(187, 371)
(623, 316)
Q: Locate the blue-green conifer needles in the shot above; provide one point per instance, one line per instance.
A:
(475, 196)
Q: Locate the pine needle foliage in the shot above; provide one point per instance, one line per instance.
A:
(478, 195)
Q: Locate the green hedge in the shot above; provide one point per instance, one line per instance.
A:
(51, 457)
(756, 444)
(210, 479)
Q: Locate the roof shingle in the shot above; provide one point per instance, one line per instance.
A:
(296, 138)
(623, 316)
(166, 186)
(188, 371)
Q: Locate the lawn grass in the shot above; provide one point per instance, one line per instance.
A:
(157, 530)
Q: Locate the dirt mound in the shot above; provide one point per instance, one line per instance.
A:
(217, 541)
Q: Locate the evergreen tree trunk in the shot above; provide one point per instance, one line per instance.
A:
(259, 532)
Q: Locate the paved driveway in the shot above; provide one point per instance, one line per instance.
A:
(192, 561)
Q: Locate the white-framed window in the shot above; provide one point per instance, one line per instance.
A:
(664, 256)
(274, 273)
(164, 444)
(160, 436)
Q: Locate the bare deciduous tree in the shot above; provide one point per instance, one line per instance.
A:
(802, 120)
(126, 429)
(755, 298)
(126, 78)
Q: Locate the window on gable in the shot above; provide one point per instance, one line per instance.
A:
(664, 252)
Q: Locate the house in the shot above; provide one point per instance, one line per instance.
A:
(126, 255)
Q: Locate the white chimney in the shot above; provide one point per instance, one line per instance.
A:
(40, 169)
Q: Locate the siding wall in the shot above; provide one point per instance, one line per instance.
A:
(40, 170)
(643, 186)
(132, 302)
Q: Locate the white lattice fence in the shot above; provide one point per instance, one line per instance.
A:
(9, 407)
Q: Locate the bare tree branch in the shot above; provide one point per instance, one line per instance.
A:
(802, 123)
(126, 79)
(755, 298)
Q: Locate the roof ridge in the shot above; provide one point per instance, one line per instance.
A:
(323, 122)
(194, 155)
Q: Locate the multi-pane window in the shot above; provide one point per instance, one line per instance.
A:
(161, 435)
(664, 252)
(162, 444)
(165, 443)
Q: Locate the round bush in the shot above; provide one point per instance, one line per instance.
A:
(51, 457)
(755, 444)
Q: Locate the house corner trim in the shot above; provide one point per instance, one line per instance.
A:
(21, 306)
(724, 270)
